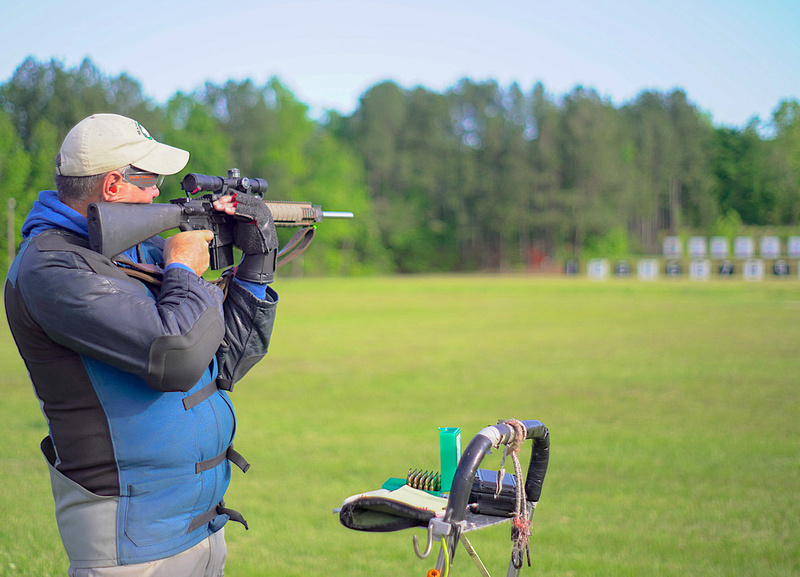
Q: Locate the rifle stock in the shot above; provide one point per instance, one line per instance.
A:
(114, 227)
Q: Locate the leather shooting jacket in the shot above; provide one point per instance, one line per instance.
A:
(133, 379)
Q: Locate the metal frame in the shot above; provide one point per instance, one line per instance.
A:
(451, 529)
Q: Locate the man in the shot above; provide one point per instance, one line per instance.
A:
(132, 374)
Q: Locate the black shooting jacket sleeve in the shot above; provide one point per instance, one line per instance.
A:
(248, 327)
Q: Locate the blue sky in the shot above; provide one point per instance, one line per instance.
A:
(736, 59)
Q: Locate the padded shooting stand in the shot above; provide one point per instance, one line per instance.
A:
(465, 509)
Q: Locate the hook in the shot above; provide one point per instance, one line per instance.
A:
(428, 546)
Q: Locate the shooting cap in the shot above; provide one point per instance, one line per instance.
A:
(105, 142)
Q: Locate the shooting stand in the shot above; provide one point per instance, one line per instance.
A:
(468, 507)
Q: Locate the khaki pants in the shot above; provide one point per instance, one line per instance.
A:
(206, 559)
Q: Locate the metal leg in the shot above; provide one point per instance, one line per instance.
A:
(440, 562)
(472, 553)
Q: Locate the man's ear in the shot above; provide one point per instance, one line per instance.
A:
(111, 185)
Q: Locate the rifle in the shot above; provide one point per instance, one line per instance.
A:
(115, 227)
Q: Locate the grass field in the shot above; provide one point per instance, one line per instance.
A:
(673, 410)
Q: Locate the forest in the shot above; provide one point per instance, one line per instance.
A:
(479, 177)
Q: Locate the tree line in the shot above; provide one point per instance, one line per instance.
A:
(477, 177)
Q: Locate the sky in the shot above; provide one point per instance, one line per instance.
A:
(735, 59)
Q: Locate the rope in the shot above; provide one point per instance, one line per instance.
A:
(521, 527)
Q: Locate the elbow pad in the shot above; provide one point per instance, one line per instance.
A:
(177, 362)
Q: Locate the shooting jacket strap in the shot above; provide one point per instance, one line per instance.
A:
(224, 384)
(296, 245)
(212, 513)
(230, 454)
(198, 397)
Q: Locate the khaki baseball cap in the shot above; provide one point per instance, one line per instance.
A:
(105, 142)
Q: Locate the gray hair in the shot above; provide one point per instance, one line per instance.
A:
(78, 189)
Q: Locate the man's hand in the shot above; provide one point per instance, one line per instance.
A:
(226, 204)
(189, 248)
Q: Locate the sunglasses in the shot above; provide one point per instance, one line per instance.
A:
(141, 178)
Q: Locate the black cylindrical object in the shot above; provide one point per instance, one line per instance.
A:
(193, 183)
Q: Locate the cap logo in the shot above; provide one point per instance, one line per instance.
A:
(143, 131)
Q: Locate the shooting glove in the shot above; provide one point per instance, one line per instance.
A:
(254, 233)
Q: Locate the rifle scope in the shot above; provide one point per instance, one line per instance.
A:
(193, 183)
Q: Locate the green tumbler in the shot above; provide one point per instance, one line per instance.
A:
(449, 454)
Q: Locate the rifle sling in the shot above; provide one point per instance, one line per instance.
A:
(296, 245)
(152, 274)
(148, 273)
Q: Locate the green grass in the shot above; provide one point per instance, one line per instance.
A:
(673, 410)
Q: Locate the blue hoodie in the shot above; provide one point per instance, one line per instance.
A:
(49, 212)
